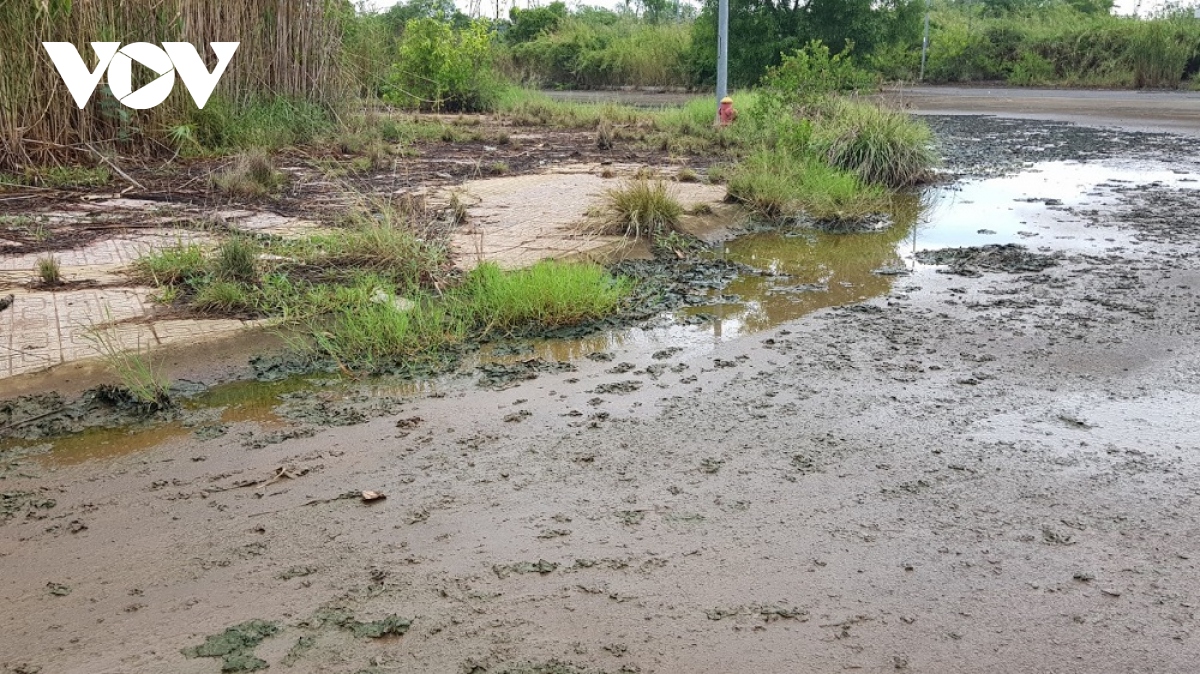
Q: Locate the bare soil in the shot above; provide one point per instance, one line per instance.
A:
(988, 473)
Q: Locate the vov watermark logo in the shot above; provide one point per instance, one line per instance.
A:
(171, 58)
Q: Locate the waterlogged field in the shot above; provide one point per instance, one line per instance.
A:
(787, 444)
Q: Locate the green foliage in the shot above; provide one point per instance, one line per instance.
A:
(548, 295)
(643, 207)
(1073, 43)
(878, 144)
(777, 186)
(761, 30)
(527, 24)
(443, 69)
(176, 264)
(1158, 53)
(269, 123)
(813, 72)
(590, 53)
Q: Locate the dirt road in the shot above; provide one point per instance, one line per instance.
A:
(983, 472)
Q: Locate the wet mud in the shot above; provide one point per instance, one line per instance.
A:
(850, 461)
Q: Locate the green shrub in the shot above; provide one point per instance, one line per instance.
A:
(813, 72)
(443, 69)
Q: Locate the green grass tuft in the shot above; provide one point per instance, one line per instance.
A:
(643, 207)
(777, 186)
(549, 294)
(173, 265)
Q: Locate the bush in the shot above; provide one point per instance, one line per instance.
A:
(812, 72)
(442, 69)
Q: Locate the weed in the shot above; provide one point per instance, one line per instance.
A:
(74, 176)
(141, 376)
(371, 334)
(778, 186)
(687, 175)
(498, 168)
(607, 173)
(223, 297)
(173, 265)
(604, 135)
(252, 175)
(880, 145)
(379, 240)
(48, 270)
(643, 206)
(166, 295)
(549, 294)
(236, 260)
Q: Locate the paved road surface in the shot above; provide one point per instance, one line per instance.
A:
(1171, 111)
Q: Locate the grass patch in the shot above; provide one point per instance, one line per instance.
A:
(173, 265)
(252, 175)
(777, 185)
(881, 145)
(643, 207)
(549, 294)
(141, 376)
(74, 176)
(49, 271)
(223, 297)
(372, 334)
(236, 260)
(383, 244)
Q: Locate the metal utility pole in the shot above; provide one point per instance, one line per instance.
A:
(924, 43)
(722, 50)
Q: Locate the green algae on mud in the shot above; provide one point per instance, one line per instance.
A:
(235, 646)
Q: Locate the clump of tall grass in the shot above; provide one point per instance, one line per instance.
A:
(141, 376)
(236, 260)
(549, 294)
(777, 186)
(880, 145)
(643, 207)
(253, 175)
(383, 241)
(49, 271)
(369, 335)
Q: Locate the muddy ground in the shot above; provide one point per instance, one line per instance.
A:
(992, 471)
